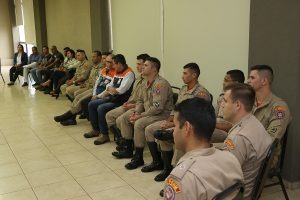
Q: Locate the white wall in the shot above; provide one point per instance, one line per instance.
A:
(214, 34)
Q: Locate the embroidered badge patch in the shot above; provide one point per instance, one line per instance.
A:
(169, 193)
(202, 94)
(229, 144)
(280, 112)
(174, 185)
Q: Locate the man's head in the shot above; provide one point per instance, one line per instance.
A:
(109, 61)
(119, 62)
(54, 49)
(103, 57)
(96, 57)
(140, 61)
(80, 55)
(66, 50)
(45, 50)
(70, 53)
(233, 76)
(191, 72)
(238, 101)
(194, 121)
(34, 50)
(261, 76)
(151, 66)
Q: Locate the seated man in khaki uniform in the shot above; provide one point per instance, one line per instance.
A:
(154, 104)
(85, 91)
(247, 139)
(203, 171)
(270, 110)
(192, 88)
(222, 126)
(113, 115)
(81, 75)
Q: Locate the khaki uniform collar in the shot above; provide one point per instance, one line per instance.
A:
(197, 152)
(150, 85)
(266, 102)
(191, 91)
(240, 123)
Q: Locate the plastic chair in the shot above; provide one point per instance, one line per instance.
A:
(263, 172)
(236, 190)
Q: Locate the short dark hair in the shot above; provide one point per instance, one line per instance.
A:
(142, 57)
(72, 52)
(82, 51)
(200, 114)
(106, 53)
(98, 53)
(155, 62)
(34, 47)
(266, 69)
(66, 48)
(45, 47)
(242, 92)
(236, 75)
(194, 67)
(119, 58)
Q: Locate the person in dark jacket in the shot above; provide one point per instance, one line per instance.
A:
(20, 59)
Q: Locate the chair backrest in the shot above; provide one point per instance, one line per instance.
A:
(235, 191)
(283, 146)
(263, 171)
(175, 94)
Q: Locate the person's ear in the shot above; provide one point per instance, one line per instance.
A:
(238, 105)
(187, 128)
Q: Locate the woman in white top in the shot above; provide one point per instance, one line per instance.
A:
(20, 59)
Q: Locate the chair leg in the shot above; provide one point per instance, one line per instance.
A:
(2, 78)
(283, 188)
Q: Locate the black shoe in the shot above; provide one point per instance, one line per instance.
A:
(164, 135)
(137, 159)
(25, 84)
(126, 151)
(157, 163)
(36, 84)
(47, 91)
(161, 193)
(10, 83)
(68, 122)
(63, 117)
(167, 159)
(41, 88)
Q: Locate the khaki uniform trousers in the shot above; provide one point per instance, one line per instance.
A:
(138, 128)
(112, 117)
(76, 104)
(74, 88)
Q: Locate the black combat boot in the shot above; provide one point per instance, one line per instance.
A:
(63, 117)
(70, 121)
(157, 163)
(137, 159)
(126, 151)
(167, 159)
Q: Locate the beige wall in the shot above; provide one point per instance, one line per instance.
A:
(29, 22)
(213, 33)
(6, 39)
(69, 24)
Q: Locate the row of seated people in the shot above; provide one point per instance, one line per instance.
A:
(246, 120)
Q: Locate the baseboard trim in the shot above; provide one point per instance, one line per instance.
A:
(292, 185)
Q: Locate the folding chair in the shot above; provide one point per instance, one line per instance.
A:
(175, 94)
(235, 191)
(277, 171)
(1, 72)
(263, 172)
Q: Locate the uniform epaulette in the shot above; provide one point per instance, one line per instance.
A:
(182, 168)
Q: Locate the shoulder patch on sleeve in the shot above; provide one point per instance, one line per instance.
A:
(173, 184)
(229, 144)
(280, 112)
(202, 94)
(180, 170)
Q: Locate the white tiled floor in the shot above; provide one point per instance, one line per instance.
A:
(40, 159)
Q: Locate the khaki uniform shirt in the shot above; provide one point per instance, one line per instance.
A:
(83, 70)
(197, 91)
(198, 175)
(136, 90)
(93, 76)
(156, 98)
(274, 114)
(249, 142)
